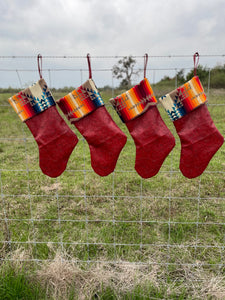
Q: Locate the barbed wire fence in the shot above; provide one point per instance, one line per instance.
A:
(31, 195)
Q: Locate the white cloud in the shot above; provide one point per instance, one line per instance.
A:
(112, 27)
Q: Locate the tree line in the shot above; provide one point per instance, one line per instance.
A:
(125, 71)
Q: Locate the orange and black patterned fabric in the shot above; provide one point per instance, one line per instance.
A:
(81, 101)
(135, 101)
(184, 99)
(32, 100)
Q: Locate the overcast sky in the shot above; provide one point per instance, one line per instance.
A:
(105, 27)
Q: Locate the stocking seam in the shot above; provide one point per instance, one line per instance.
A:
(94, 144)
(202, 139)
(52, 140)
(161, 137)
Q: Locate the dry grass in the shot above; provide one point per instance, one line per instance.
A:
(60, 276)
(53, 187)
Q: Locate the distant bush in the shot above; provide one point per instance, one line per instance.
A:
(9, 90)
(217, 77)
(217, 80)
(202, 72)
(65, 89)
(105, 88)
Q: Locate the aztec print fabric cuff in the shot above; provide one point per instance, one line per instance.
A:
(184, 99)
(135, 101)
(81, 101)
(32, 100)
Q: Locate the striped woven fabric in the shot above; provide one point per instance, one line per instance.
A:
(184, 99)
(81, 101)
(135, 101)
(32, 100)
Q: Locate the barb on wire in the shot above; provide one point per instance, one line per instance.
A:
(104, 56)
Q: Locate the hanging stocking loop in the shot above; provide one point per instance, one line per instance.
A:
(39, 61)
(145, 63)
(89, 65)
(196, 61)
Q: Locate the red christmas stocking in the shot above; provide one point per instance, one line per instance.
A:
(85, 109)
(153, 140)
(200, 139)
(36, 107)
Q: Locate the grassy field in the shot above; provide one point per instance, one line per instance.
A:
(119, 236)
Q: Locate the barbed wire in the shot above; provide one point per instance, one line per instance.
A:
(104, 56)
(98, 70)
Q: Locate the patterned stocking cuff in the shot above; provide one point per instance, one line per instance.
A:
(135, 101)
(32, 100)
(184, 99)
(81, 101)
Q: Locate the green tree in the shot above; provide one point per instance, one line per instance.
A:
(124, 70)
(202, 73)
(217, 77)
(180, 77)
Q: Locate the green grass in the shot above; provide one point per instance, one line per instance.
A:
(16, 285)
(98, 218)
